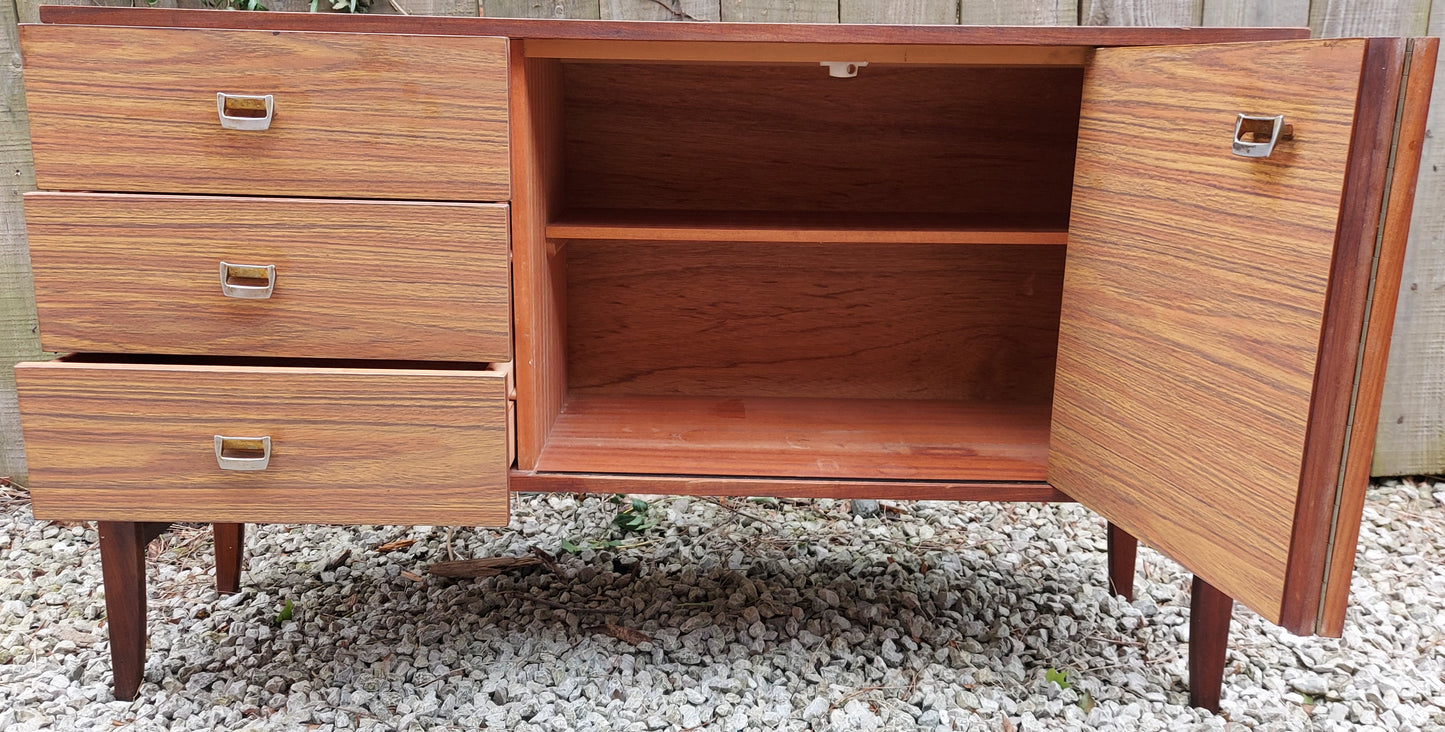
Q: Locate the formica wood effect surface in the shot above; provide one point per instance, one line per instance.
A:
(354, 279)
(1194, 304)
(134, 442)
(356, 115)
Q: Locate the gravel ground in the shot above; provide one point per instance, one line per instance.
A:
(723, 615)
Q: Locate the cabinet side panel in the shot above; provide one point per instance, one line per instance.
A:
(1344, 321)
(1194, 298)
(538, 273)
(1410, 141)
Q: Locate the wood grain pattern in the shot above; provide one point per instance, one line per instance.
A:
(1019, 12)
(1321, 474)
(929, 12)
(1405, 167)
(890, 490)
(1411, 437)
(780, 11)
(803, 438)
(798, 228)
(540, 8)
(977, 141)
(1142, 12)
(523, 28)
(1189, 342)
(1353, 18)
(540, 272)
(808, 54)
(357, 115)
(845, 321)
(693, 10)
(135, 441)
(1278, 13)
(119, 273)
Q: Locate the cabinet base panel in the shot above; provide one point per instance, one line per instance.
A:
(691, 485)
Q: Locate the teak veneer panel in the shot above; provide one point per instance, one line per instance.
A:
(134, 442)
(670, 31)
(354, 279)
(979, 141)
(804, 438)
(356, 115)
(1194, 304)
(694, 485)
(793, 227)
(861, 321)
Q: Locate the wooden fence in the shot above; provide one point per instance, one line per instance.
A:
(1411, 437)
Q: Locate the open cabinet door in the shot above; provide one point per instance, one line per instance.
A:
(1215, 307)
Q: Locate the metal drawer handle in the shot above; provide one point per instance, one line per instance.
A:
(243, 453)
(1255, 135)
(248, 281)
(245, 111)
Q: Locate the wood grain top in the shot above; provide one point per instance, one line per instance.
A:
(668, 31)
(1194, 299)
(122, 273)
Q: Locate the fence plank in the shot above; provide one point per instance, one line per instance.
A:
(541, 9)
(1143, 12)
(18, 339)
(1019, 12)
(1264, 13)
(1350, 18)
(1411, 436)
(780, 11)
(931, 12)
(661, 10)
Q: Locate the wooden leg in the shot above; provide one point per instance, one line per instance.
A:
(230, 554)
(1123, 548)
(1209, 612)
(123, 564)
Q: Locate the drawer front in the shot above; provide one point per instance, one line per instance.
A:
(353, 279)
(353, 115)
(133, 442)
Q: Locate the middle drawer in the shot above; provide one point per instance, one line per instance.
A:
(119, 273)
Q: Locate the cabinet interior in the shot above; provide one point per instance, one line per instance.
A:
(761, 270)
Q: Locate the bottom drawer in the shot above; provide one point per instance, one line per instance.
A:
(143, 442)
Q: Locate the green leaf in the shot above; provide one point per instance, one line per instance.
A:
(569, 547)
(1058, 677)
(1086, 702)
(639, 505)
(286, 611)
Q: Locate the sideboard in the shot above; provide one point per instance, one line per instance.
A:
(382, 269)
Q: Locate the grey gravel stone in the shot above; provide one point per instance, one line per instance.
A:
(798, 616)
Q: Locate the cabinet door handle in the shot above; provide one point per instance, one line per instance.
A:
(243, 453)
(248, 281)
(1255, 135)
(245, 111)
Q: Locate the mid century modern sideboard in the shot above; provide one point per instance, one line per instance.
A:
(393, 269)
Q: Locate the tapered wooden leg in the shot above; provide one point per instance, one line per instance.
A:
(1123, 549)
(122, 560)
(1209, 612)
(230, 554)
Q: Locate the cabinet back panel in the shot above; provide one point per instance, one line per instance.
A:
(976, 140)
(876, 321)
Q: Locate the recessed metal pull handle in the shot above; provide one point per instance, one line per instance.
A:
(243, 453)
(245, 111)
(248, 281)
(1255, 135)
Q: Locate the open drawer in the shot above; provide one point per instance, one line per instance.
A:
(224, 443)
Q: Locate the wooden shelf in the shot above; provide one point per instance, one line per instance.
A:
(805, 438)
(801, 227)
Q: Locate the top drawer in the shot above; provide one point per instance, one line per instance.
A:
(353, 115)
